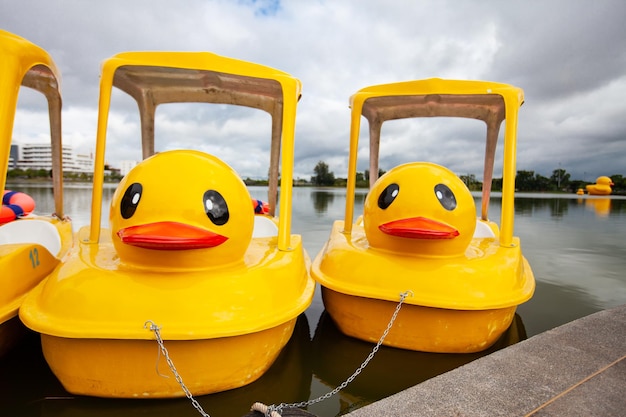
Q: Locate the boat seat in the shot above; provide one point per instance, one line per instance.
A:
(483, 230)
(31, 231)
(264, 227)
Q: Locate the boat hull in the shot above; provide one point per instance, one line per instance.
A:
(26, 259)
(418, 328)
(454, 304)
(114, 368)
(223, 327)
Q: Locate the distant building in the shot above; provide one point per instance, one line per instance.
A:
(126, 166)
(39, 156)
(14, 155)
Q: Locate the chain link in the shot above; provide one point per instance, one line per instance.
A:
(278, 408)
(157, 333)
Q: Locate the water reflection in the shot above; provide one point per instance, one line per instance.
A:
(28, 387)
(556, 303)
(574, 244)
(557, 207)
(600, 206)
(359, 198)
(321, 200)
(392, 370)
(76, 200)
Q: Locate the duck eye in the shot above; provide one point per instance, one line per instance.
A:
(215, 207)
(388, 195)
(445, 196)
(130, 201)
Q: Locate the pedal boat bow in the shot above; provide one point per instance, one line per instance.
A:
(33, 245)
(419, 232)
(181, 256)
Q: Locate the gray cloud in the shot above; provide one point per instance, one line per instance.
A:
(569, 57)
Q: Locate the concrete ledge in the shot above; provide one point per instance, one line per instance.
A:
(578, 369)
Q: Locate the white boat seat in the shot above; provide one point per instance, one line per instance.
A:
(31, 231)
(483, 230)
(264, 227)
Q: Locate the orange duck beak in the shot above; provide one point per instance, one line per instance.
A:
(170, 236)
(419, 228)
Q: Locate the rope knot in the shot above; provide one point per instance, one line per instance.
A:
(268, 411)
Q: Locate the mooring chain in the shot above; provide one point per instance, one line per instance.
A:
(278, 408)
(275, 410)
(157, 333)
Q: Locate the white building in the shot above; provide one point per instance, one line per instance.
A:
(126, 166)
(39, 156)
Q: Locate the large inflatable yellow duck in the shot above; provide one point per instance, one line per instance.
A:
(601, 187)
(420, 208)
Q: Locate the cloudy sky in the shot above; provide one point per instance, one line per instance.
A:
(568, 56)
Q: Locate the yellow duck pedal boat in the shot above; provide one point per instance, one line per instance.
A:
(31, 244)
(186, 258)
(419, 231)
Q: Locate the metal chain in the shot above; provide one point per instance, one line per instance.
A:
(278, 408)
(156, 329)
(271, 409)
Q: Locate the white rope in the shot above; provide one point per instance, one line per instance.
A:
(267, 411)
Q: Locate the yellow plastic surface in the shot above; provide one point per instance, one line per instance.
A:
(24, 262)
(601, 187)
(24, 64)
(487, 276)
(424, 329)
(203, 76)
(108, 289)
(24, 265)
(464, 287)
(126, 368)
(93, 295)
(416, 198)
(480, 95)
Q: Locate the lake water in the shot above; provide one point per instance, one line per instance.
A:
(575, 245)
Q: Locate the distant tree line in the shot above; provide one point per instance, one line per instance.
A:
(29, 173)
(44, 174)
(324, 177)
(559, 181)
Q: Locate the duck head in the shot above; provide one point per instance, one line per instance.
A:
(605, 181)
(181, 209)
(420, 208)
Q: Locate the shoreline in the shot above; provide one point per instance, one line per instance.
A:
(40, 183)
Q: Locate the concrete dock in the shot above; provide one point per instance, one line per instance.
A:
(578, 369)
